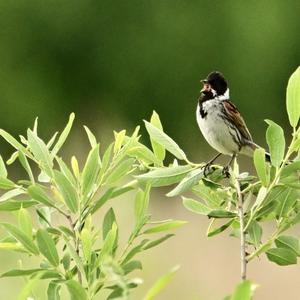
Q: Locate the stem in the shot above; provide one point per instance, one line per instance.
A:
(242, 226)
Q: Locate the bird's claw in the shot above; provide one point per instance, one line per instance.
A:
(226, 172)
(206, 169)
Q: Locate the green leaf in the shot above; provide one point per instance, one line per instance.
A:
(213, 232)
(40, 151)
(47, 246)
(282, 256)
(288, 242)
(196, 206)
(12, 158)
(218, 213)
(12, 246)
(11, 194)
(260, 166)
(119, 138)
(62, 138)
(77, 259)
(24, 162)
(141, 204)
(52, 140)
(286, 201)
(108, 221)
(11, 140)
(290, 168)
(90, 171)
(142, 153)
(27, 289)
(276, 142)
(158, 149)
(164, 140)
(261, 196)
(3, 171)
(21, 237)
(187, 183)
(21, 272)
(135, 250)
(53, 291)
(160, 284)
(12, 205)
(255, 233)
(76, 291)
(6, 184)
(170, 224)
(131, 266)
(102, 200)
(25, 222)
(243, 291)
(109, 243)
(157, 241)
(67, 190)
(122, 169)
(165, 176)
(293, 98)
(66, 171)
(38, 194)
(87, 243)
(91, 137)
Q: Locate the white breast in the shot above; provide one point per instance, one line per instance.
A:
(214, 129)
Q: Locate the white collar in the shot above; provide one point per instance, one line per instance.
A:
(225, 96)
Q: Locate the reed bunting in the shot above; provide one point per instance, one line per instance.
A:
(220, 122)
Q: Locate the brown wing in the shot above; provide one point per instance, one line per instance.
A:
(235, 117)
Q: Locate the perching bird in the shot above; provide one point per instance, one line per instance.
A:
(220, 122)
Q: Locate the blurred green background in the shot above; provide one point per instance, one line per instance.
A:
(113, 62)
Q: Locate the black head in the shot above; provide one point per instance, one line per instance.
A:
(217, 82)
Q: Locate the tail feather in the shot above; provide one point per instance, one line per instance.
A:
(251, 147)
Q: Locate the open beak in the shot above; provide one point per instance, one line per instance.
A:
(206, 86)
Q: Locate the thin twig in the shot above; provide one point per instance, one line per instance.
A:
(242, 225)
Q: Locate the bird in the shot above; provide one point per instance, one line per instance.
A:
(221, 123)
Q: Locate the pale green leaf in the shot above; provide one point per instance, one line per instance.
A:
(244, 291)
(87, 243)
(76, 291)
(21, 237)
(165, 176)
(6, 184)
(170, 224)
(260, 166)
(40, 151)
(282, 256)
(196, 206)
(91, 137)
(67, 190)
(47, 246)
(160, 284)
(293, 98)
(90, 172)
(11, 194)
(122, 169)
(24, 162)
(276, 143)
(288, 242)
(3, 171)
(164, 140)
(62, 138)
(187, 183)
(25, 222)
(38, 194)
(158, 149)
(53, 291)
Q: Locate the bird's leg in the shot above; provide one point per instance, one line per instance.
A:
(207, 166)
(225, 170)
